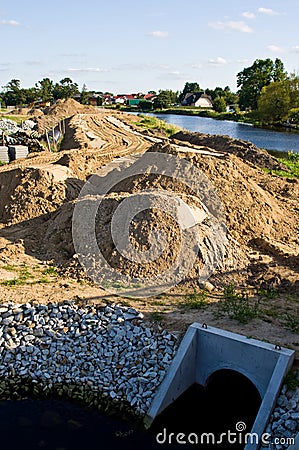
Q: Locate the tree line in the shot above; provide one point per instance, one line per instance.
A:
(265, 90)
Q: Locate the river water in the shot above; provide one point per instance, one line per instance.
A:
(268, 139)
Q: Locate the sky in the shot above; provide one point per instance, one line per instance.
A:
(137, 46)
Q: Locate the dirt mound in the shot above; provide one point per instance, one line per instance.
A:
(243, 149)
(35, 191)
(261, 211)
(250, 212)
(68, 107)
(62, 109)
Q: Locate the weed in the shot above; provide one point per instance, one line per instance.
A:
(291, 322)
(291, 381)
(267, 293)
(50, 271)
(157, 316)
(196, 300)
(13, 282)
(43, 280)
(9, 267)
(237, 306)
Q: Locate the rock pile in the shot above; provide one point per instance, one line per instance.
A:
(8, 126)
(284, 422)
(86, 353)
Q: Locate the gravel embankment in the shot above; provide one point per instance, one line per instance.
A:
(86, 353)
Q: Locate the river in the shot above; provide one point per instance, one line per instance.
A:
(268, 139)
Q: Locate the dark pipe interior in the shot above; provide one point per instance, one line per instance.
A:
(228, 398)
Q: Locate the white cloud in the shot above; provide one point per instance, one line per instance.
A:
(248, 15)
(11, 23)
(173, 76)
(87, 69)
(295, 49)
(196, 66)
(219, 61)
(268, 11)
(275, 49)
(231, 25)
(142, 66)
(159, 34)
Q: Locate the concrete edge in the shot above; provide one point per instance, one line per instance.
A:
(172, 370)
(295, 446)
(268, 403)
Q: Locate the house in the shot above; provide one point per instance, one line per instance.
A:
(197, 99)
(93, 99)
(150, 97)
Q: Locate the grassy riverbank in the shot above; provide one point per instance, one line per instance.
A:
(290, 160)
(152, 123)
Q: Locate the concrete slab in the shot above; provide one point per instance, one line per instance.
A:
(205, 350)
(17, 151)
(4, 154)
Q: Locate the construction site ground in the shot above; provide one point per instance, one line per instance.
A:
(37, 195)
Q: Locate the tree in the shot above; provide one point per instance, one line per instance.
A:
(229, 97)
(165, 99)
(251, 80)
(45, 89)
(219, 104)
(278, 100)
(66, 88)
(84, 95)
(13, 94)
(30, 95)
(145, 105)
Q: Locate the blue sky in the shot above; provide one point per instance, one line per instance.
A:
(130, 46)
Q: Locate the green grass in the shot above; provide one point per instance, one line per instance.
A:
(152, 123)
(290, 160)
(8, 267)
(25, 277)
(50, 271)
(15, 118)
(237, 305)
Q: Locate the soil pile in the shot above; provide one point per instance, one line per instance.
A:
(261, 211)
(60, 110)
(243, 149)
(26, 193)
(260, 224)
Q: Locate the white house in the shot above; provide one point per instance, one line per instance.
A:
(197, 99)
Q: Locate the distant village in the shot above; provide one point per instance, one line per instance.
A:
(195, 99)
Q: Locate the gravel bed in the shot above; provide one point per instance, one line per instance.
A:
(89, 353)
(101, 356)
(284, 422)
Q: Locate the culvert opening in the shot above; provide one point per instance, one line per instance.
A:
(228, 403)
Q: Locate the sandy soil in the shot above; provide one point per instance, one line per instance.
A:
(37, 196)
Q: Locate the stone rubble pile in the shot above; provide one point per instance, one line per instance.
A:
(284, 423)
(8, 126)
(85, 352)
(24, 134)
